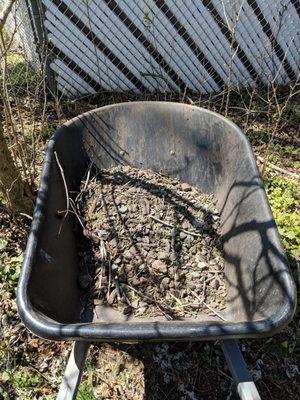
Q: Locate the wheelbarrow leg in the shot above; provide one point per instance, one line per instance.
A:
(245, 386)
(73, 372)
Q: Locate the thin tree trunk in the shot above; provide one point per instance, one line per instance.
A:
(14, 190)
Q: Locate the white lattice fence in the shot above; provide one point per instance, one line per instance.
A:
(199, 46)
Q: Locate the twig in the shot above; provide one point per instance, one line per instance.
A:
(161, 307)
(207, 306)
(214, 311)
(204, 291)
(174, 227)
(109, 280)
(176, 299)
(66, 191)
(26, 215)
(279, 169)
(87, 178)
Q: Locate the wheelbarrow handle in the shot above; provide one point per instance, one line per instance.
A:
(71, 380)
(244, 383)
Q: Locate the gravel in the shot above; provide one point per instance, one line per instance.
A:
(150, 246)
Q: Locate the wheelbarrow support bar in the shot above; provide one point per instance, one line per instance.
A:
(73, 372)
(244, 383)
(240, 374)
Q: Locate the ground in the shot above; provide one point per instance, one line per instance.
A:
(31, 368)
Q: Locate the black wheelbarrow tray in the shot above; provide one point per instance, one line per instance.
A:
(201, 148)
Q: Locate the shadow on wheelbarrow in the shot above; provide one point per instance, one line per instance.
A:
(198, 146)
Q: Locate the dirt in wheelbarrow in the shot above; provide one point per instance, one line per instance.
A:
(151, 245)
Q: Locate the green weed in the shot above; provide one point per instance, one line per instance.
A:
(283, 197)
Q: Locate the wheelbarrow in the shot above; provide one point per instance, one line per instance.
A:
(201, 148)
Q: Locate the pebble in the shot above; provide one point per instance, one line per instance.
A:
(114, 267)
(127, 310)
(148, 255)
(127, 254)
(173, 256)
(217, 283)
(98, 302)
(186, 225)
(186, 187)
(113, 243)
(135, 281)
(195, 274)
(160, 266)
(103, 234)
(132, 250)
(198, 224)
(182, 235)
(162, 255)
(165, 282)
(151, 255)
(202, 265)
(123, 209)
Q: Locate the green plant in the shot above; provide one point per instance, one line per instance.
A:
(9, 270)
(283, 197)
(86, 392)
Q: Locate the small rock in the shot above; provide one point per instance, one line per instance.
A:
(202, 265)
(217, 284)
(182, 235)
(172, 152)
(135, 281)
(160, 266)
(198, 224)
(114, 267)
(123, 209)
(189, 239)
(195, 274)
(173, 256)
(171, 271)
(103, 234)
(162, 255)
(132, 250)
(113, 243)
(186, 225)
(151, 255)
(127, 254)
(185, 187)
(165, 282)
(98, 302)
(127, 310)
